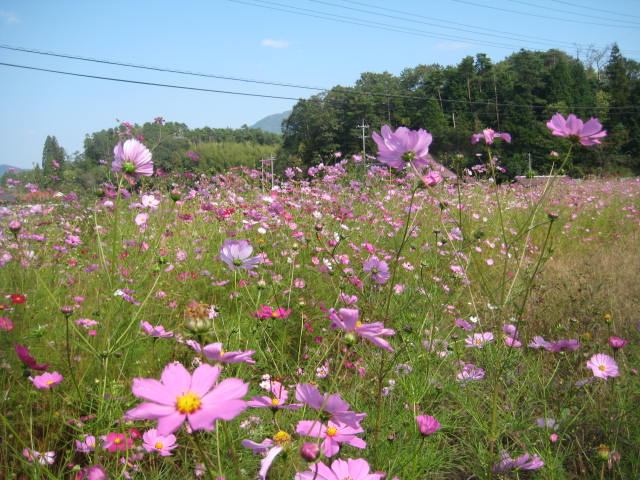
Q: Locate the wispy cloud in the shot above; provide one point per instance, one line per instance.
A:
(268, 42)
(9, 17)
(452, 45)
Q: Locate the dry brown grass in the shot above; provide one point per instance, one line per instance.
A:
(579, 287)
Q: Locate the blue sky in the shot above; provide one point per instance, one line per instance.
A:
(304, 42)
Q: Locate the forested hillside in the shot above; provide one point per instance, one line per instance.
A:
(517, 95)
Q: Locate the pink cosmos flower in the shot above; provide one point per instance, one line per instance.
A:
(479, 339)
(266, 311)
(27, 359)
(266, 447)
(574, 129)
(334, 433)
(617, 342)
(6, 324)
(45, 458)
(427, 424)
(141, 219)
(489, 135)
(378, 269)
(47, 380)
(157, 331)
(215, 353)
(352, 469)
(237, 254)
(524, 462)
(347, 319)
(469, 372)
(116, 441)
(332, 404)
(94, 472)
(277, 400)
(179, 396)
(402, 147)
(132, 158)
(432, 178)
(603, 366)
(87, 445)
(154, 442)
(511, 335)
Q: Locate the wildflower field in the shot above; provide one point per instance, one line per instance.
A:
(355, 322)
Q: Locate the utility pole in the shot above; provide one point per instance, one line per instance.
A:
(272, 159)
(364, 126)
(495, 91)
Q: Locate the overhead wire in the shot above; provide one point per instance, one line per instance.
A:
(338, 90)
(388, 13)
(546, 17)
(586, 15)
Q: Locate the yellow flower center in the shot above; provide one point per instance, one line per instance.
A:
(331, 431)
(358, 324)
(275, 402)
(274, 314)
(188, 403)
(117, 441)
(158, 445)
(50, 382)
(281, 437)
(602, 368)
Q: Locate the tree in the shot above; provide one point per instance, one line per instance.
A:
(53, 157)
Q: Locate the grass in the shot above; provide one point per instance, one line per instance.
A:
(472, 255)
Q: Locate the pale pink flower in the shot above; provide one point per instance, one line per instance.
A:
(154, 442)
(47, 380)
(603, 366)
(574, 129)
(180, 396)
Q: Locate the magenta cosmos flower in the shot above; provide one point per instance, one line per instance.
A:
(427, 424)
(352, 469)
(132, 158)
(266, 311)
(347, 319)
(489, 136)
(402, 147)
(617, 342)
(237, 254)
(179, 396)
(575, 129)
(26, 358)
(47, 380)
(603, 366)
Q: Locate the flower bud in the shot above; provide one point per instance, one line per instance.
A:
(196, 318)
(15, 226)
(310, 451)
(350, 338)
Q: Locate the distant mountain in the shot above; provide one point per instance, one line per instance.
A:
(4, 168)
(272, 123)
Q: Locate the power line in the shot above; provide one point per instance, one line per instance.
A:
(599, 24)
(634, 24)
(154, 84)
(157, 69)
(414, 16)
(338, 91)
(370, 24)
(611, 12)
